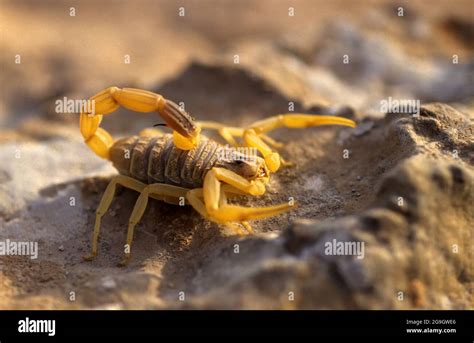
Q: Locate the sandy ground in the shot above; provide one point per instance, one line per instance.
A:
(348, 182)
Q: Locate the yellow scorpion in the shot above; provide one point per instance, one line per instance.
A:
(185, 166)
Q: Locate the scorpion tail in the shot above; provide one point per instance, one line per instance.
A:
(99, 140)
(185, 131)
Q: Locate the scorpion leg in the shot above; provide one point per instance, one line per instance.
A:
(158, 191)
(247, 227)
(223, 212)
(194, 197)
(105, 204)
(228, 133)
(253, 135)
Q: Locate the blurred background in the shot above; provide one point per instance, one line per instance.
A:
(77, 48)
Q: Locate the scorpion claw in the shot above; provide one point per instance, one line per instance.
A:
(273, 161)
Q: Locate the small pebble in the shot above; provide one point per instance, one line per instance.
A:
(108, 283)
(61, 248)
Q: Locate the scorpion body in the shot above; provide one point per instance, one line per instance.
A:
(155, 159)
(187, 165)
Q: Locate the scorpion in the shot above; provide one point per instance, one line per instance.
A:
(187, 165)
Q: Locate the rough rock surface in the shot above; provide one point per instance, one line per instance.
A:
(417, 234)
(401, 184)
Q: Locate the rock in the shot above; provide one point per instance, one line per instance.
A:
(420, 248)
(108, 283)
(363, 128)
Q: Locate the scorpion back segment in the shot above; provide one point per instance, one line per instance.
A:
(184, 165)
